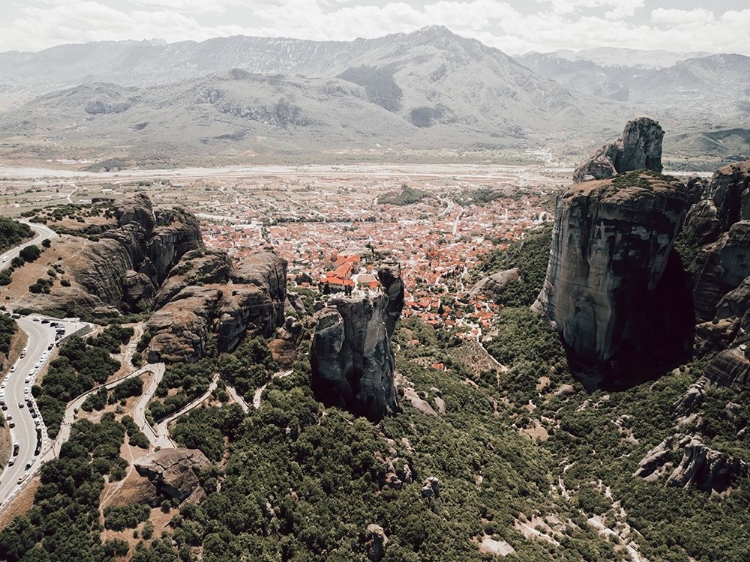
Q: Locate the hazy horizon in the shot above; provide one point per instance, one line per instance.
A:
(513, 26)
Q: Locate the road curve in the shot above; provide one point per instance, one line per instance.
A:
(163, 439)
(42, 233)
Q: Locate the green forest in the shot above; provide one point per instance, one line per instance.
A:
(295, 481)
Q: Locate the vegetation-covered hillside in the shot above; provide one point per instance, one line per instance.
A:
(526, 461)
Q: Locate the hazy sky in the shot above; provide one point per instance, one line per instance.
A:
(515, 26)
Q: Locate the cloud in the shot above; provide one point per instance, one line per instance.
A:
(571, 24)
(190, 6)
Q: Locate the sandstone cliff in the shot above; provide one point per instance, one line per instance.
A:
(123, 269)
(615, 289)
(230, 301)
(638, 148)
(351, 356)
(720, 225)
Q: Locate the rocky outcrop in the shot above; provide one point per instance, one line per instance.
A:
(730, 367)
(615, 289)
(196, 267)
(638, 148)
(719, 268)
(376, 542)
(730, 194)
(693, 397)
(136, 209)
(122, 270)
(189, 313)
(176, 233)
(700, 466)
(351, 357)
(266, 270)
(702, 222)
(174, 472)
(494, 286)
(431, 487)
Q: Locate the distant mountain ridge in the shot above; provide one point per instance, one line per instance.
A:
(712, 89)
(426, 90)
(615, 56)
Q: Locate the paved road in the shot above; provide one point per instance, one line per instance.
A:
(42, 233)
(139, 412)
(259, 391)
(41, 337)
(75, 405)
(24, 432)
(237, 398)
(163, 439)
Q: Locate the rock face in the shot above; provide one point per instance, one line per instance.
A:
(638, 148)
(174, 472)
(615, 289)
(700, 466)
(254, 301)
(122, 271)
(720, 268)
(351, 357)
(730, 367)
(720, 225)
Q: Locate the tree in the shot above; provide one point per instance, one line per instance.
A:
(30, 253)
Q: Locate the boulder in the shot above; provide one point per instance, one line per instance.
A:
(174, 472)
(615, 289)
(431, 487)
(351, 356)
(376, 542)
(494, 286)
(638, 148)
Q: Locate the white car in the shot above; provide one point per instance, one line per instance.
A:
(27, 380)
(27, 390)
(13, 369)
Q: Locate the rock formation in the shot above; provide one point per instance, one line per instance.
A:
(494, 285)
(701, 466)
(351, 357)
(638, 148)
(730, 367)
(174, 472)
(376, 542)
(232, 304)
(431, 487)
(615, 289)
(123, 269)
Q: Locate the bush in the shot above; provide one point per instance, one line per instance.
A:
(30, 253)
(118, 518)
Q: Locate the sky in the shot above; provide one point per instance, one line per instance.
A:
(514, 26)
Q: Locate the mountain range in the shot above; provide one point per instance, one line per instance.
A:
(239, 97)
